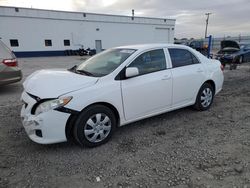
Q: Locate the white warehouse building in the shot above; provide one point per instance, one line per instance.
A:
(37, 32)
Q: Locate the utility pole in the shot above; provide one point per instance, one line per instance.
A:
(133, 14)
(207, 14)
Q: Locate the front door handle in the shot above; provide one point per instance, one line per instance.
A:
(166, 77)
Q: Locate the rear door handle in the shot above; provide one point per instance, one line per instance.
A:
(166, 77)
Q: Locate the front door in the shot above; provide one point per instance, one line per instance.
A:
(150, 91)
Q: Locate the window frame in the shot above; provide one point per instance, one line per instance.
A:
(46, 43)
(192, 57)
(14, 40)
(145, 51)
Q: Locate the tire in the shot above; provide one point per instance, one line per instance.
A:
(205, 97)
(233, 66)
(81, 52)
(240, 59)
(94, 126)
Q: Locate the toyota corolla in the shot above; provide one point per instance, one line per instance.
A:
(87, 102)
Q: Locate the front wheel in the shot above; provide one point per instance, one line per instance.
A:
(205, 97)
(94, 126)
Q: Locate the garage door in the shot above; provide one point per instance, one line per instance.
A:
(161, 35)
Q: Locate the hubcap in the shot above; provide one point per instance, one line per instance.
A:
(206, 97)
(97, 128)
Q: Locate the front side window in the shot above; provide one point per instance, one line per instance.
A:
(105, 62)
(182, 57)
(151, 61)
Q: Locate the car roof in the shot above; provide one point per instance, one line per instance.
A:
(154, 45)
(142, 47)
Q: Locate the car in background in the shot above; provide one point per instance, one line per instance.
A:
(232, 53)
(244, 54)
(9, 70)
(199, 46)
(115, 87)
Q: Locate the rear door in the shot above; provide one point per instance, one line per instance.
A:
(151, 90)
(188, 76)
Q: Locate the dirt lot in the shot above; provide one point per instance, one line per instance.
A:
(184, 148)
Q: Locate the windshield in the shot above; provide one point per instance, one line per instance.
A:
(105, 62)
(245, 46)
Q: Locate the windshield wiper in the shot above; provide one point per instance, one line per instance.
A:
(84, 72)
(75, 70)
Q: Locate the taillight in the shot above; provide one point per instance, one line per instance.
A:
(222, 67)
(10, 62)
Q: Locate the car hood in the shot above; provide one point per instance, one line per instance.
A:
(229, 44)
(53, 83)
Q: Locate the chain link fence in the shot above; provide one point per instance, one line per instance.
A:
(239, 39)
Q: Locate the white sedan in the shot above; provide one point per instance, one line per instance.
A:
(116, 87)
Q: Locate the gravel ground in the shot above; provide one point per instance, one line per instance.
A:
(184, 148)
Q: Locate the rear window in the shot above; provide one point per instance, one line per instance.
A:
(5, 52)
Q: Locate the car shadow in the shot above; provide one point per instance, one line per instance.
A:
(156, 120)
(11, 88)
(122, 132)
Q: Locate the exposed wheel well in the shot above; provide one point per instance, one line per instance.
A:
(111, 107)
(211, 82)
(73, 117)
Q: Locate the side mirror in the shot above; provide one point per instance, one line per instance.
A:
(131, 72)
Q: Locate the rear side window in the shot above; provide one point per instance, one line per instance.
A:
(182, 57)
(14, 43)
(151, 61)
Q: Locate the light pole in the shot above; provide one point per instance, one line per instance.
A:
(207, 14)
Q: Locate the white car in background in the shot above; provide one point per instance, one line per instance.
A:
(116, 87)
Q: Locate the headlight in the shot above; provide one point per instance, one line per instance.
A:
(52, 104)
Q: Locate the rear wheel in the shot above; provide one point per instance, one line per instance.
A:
(205, 97)
(94, 126)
